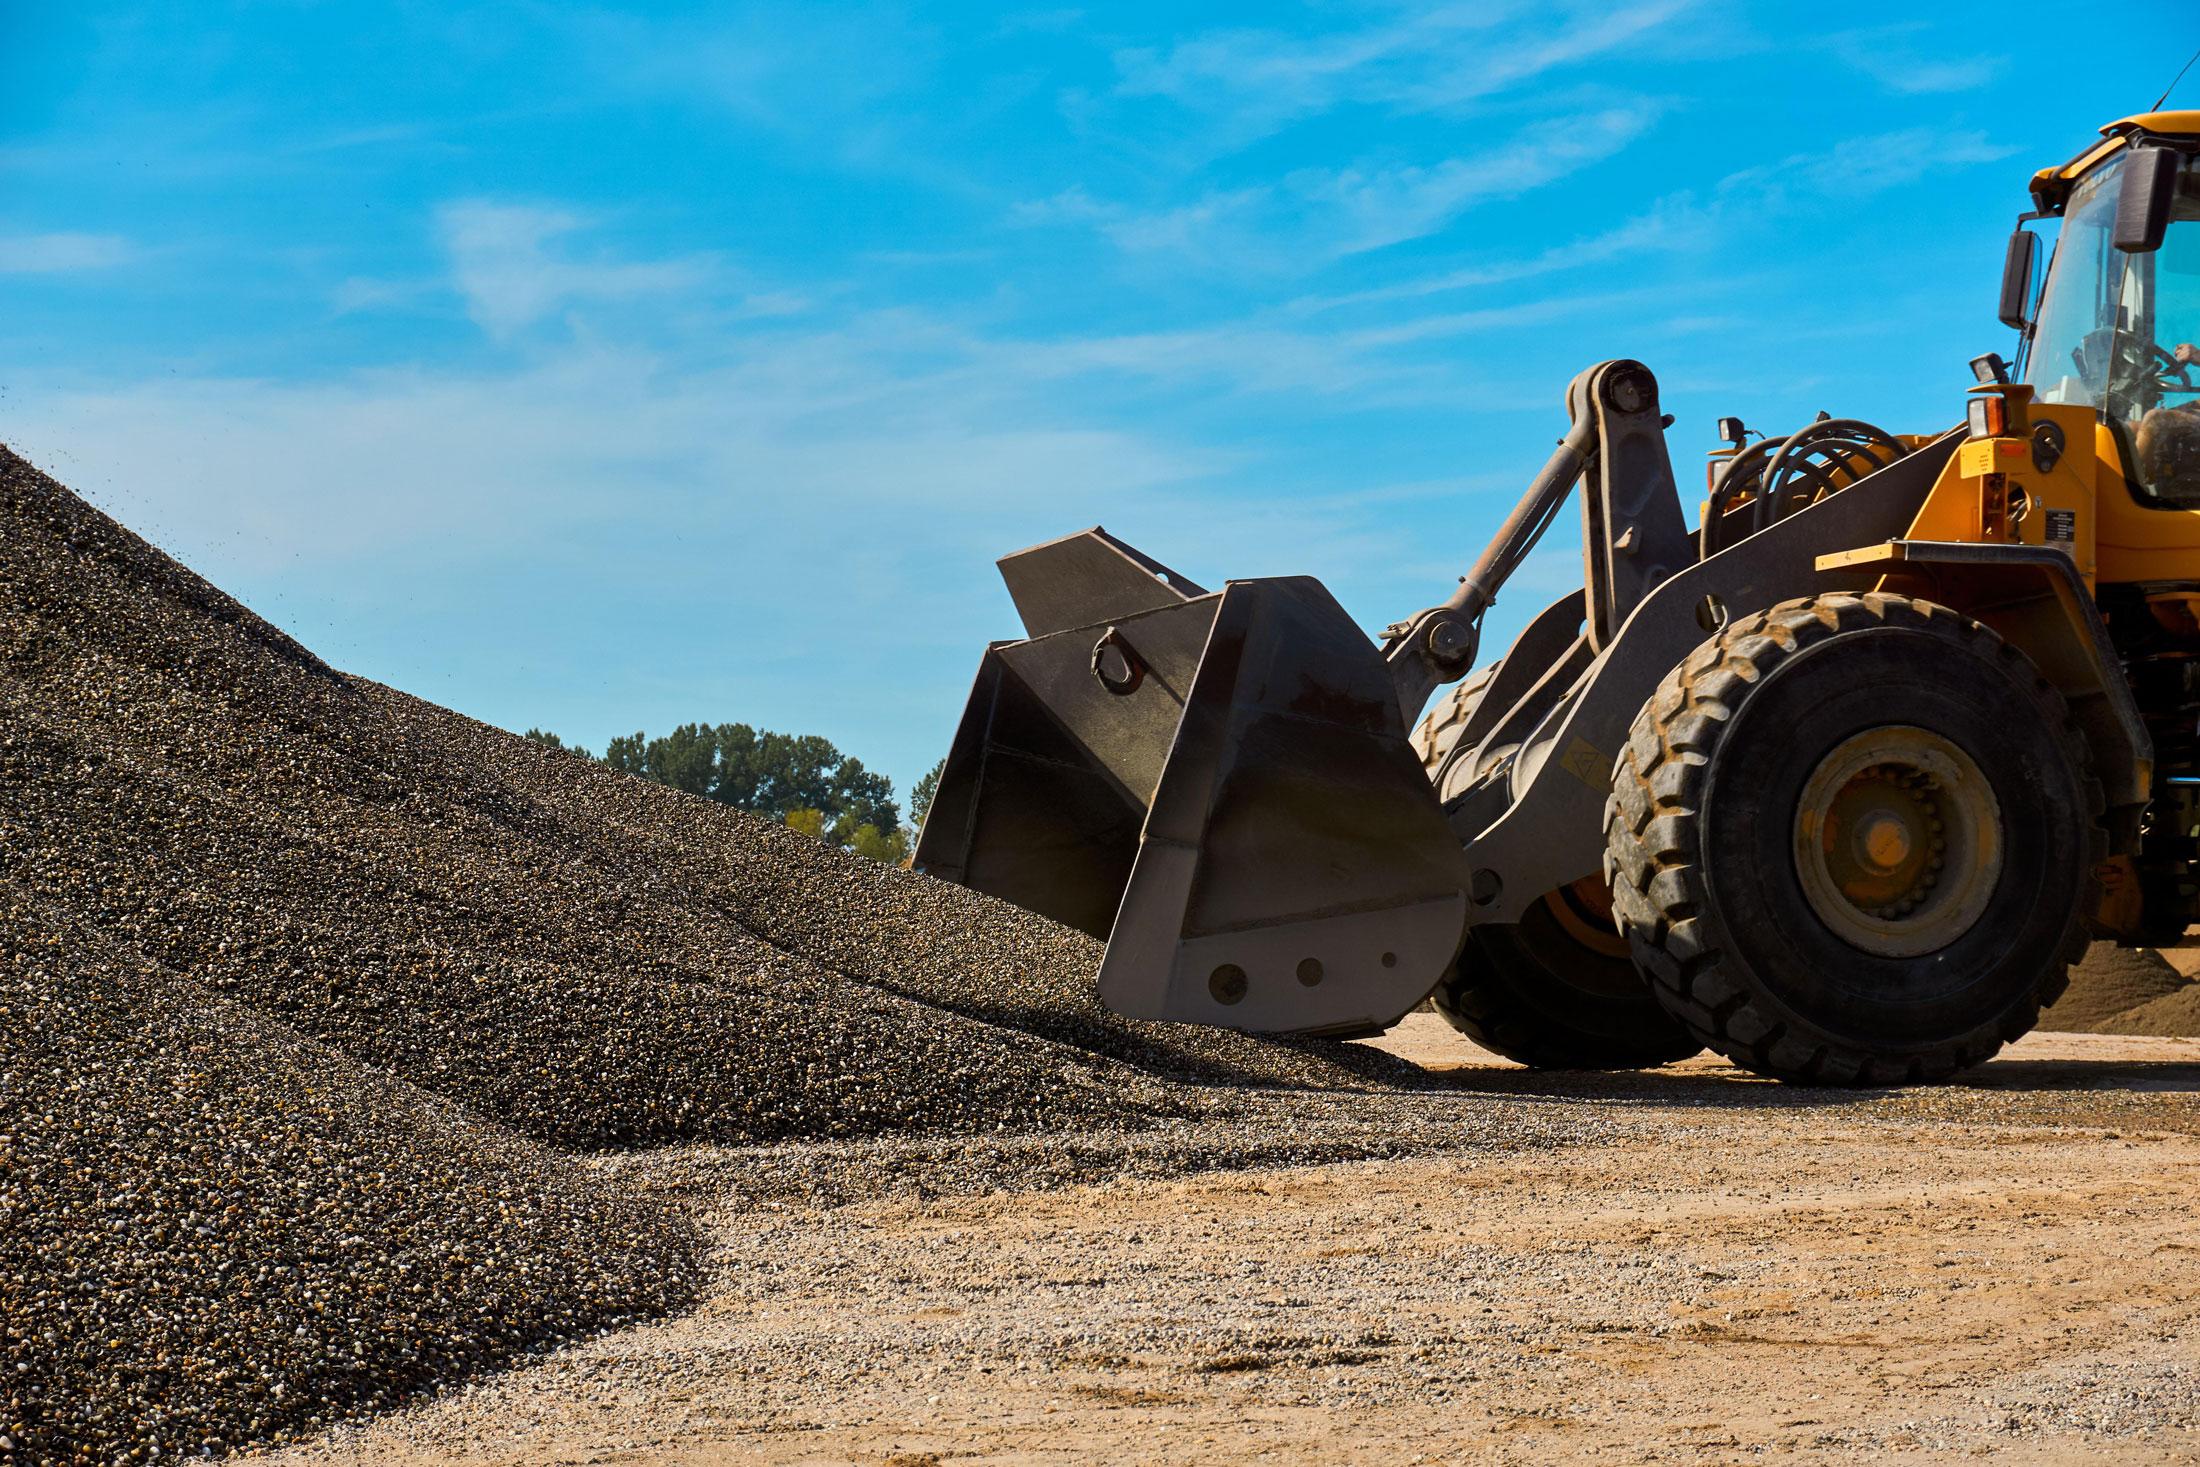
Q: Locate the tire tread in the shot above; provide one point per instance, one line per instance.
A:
(1651, 833)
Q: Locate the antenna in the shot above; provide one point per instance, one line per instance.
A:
(2173, 81)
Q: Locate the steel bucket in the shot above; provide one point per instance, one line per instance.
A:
(1218, 783)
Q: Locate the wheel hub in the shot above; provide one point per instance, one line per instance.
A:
(1884, 842)
(1583, 910)
(1897, 841)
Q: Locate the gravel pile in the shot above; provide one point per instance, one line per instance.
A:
(2111, 985)
(594, 960)
(214, 1231)
(2173, 1014)
(305, 978)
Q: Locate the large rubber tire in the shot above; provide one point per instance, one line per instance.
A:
(1548, 992)
(1440, 728)
(1553, 991)
(1704, 857)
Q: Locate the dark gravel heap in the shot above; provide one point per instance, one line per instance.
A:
(592, 959)
(288, 950)
(212, 1230)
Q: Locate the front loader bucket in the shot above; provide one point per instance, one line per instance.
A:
(1223, 787)
(1046, 784)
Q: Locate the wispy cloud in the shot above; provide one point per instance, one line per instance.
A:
(1386, 206)
(60, 254)
(367, 293)
(510, 263)
(842, 79)
(1240, 357)
(1213, 229)
(1685, 223)
(797, 67)
(1889, 55)
(912, 424)
(1315, 215)
(1673, 224)
(284, 469)
(1439, 60)
(1871, 164)
(1455, 324)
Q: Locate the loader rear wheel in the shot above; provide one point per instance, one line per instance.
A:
(1853, 840)
(1558, 990)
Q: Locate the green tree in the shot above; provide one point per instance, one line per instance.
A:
(772, 773)
(545, 737)
(890, 846)
(629, 754)
(920, 798)
(686, 759)
(864, 797)
(801, 779)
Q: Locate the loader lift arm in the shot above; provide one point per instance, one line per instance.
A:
(1633, 533)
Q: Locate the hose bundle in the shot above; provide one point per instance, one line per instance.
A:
(1774, 477)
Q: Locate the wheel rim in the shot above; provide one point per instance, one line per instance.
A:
(1898, 841)
(1583, 910)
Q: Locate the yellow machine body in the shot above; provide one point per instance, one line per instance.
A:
(1837, 781)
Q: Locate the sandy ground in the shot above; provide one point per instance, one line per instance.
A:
(1687, 1265)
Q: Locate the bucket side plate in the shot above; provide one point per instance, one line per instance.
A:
(1295, 873)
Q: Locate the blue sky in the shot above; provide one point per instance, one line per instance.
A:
(605, 369)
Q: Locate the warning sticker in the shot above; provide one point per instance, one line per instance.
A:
(1587, 763)
(2062, 524)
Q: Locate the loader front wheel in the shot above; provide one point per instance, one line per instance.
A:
(1558, 990)
(1437, 734)
(1853, 840)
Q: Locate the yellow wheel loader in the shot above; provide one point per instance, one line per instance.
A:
(1837, 782)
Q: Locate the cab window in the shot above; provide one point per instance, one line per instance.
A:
(2120, 333)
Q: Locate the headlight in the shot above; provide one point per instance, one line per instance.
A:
(1989, 415)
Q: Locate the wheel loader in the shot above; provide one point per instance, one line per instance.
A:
(1837, 781)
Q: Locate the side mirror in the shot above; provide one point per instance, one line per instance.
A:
(2016, 278)
(2142, 203)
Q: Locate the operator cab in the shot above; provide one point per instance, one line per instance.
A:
(2118, 321)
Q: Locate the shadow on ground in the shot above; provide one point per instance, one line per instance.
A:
(1728, 1088)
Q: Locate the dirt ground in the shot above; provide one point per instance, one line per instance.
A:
(1687, 1265)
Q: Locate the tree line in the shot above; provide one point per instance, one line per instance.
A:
(799, 779)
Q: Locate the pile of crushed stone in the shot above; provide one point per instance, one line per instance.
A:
(2120, 990)
(2173, 1014)
(380, 960)
(595, 960)
(212, 1229)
